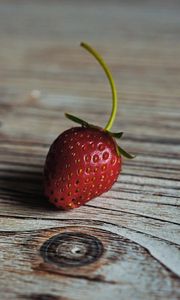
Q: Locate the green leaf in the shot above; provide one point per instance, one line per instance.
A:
(116, 135)
(124, 153)
(77, 120)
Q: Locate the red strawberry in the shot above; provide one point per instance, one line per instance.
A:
(83, 162)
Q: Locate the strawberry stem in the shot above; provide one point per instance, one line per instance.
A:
(111, 81)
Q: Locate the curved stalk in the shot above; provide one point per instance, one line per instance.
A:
(111, 81)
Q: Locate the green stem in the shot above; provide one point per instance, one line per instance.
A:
(111, 81)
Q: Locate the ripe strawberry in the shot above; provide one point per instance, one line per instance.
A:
(83, 162)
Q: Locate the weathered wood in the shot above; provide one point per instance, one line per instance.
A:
(98, 259)
(124, 244)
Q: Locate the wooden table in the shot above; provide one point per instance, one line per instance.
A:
(124, 244)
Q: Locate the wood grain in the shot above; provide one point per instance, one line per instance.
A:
(124, 244)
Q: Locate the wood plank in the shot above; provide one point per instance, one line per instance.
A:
(110, 274)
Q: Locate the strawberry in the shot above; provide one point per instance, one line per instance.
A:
(83, 162)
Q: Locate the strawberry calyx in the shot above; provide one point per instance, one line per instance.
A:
(79, 121)
(124, 153)
(116, 135)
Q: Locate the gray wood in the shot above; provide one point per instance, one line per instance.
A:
(124, 244)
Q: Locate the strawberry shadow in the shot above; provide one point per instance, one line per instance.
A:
(26, 189)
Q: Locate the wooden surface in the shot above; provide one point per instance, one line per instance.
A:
(125, 244)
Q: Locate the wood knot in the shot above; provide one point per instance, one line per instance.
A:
(71, 249)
